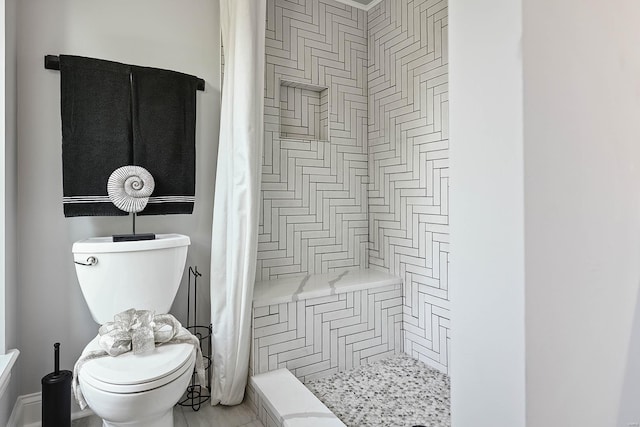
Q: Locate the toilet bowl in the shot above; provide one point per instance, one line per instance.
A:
(133, 389)
(137, 390)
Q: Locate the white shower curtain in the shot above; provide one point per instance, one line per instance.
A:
(236, 207)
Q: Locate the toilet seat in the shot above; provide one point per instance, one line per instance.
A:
(130, 373)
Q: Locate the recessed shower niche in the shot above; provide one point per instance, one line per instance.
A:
(304, 111)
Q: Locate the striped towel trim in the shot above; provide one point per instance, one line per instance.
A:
(172, 199)
(105, 199)
(86, 199)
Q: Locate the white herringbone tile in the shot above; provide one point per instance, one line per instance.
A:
(408, 165)
(357, 175)
(314, 193)
(317, 337)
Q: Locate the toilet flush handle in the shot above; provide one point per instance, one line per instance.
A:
(90, 261)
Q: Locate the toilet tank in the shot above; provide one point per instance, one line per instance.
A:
(144, 274)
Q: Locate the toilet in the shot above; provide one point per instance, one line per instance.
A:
(133, 390)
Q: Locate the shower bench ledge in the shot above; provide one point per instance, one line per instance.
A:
(320, 324)
(278, 291)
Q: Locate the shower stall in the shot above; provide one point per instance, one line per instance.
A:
(353, 245)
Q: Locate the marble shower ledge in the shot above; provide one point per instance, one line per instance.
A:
(287, 290)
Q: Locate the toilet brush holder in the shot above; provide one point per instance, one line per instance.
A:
(56, 395)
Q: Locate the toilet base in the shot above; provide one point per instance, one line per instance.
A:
(165, 420)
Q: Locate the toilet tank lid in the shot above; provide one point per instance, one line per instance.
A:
(106, 244)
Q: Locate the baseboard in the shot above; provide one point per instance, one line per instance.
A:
(27, 411)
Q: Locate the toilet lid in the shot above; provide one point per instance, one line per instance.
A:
(130, 369)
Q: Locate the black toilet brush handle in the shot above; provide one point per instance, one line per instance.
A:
(56, 358)
(56, 394)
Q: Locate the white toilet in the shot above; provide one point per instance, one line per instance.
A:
(133, 390)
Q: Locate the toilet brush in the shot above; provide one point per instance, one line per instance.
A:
(56, 395)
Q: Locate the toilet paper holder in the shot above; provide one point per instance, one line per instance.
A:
(197, 394)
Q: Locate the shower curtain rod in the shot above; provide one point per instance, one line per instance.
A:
(52, 62)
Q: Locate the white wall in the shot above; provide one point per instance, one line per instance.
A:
(9, 177)
(486, 212)
(183, 36)
(582, 183)
(9, 242)
(573, 124)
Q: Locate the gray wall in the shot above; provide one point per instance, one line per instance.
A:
(160, 33)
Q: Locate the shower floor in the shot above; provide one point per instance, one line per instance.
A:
(396, 392)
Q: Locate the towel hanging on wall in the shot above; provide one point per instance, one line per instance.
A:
(115, 114)
(96, 132)
(164, 137)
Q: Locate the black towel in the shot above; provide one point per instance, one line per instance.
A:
(164, 137)
(96, 132)
(116, 114)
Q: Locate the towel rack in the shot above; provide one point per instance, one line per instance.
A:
(52, 62)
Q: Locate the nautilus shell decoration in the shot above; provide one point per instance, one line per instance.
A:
(129, 188)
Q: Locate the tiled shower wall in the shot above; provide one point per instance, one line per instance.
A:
(314, 192)
(317, 337)
(372, 189)
(409, 165)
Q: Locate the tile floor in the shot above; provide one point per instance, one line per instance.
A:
(207, 416)
(395, 392)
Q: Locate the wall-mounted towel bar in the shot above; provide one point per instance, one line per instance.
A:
(52, 62)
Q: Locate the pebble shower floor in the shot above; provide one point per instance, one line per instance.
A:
(395, 392)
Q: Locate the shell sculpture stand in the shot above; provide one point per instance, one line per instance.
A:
(129, 188)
